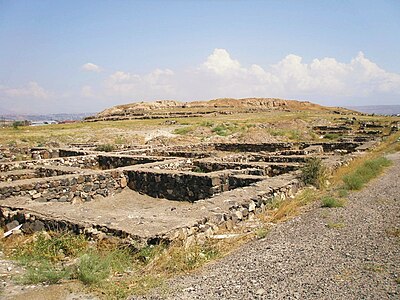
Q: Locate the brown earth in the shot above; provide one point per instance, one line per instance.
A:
(223, 103)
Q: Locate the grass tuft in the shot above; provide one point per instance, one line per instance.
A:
(314, 173)
(331, 202)
(105, 148)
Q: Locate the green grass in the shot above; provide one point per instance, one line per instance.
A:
(184, 130)
(261, 232)
(314, 173)
(331, 202)
(45, 272)
(105, 148)
(365, 172)
(333, 225)
(331, 136)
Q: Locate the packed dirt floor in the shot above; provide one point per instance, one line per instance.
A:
(352, 252)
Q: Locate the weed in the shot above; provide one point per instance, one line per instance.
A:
(375, 268)
(332, 225)
(365, 172)
(178, 259)
(285, 209)
(329, 201)
(394, 232)
(331, 136)
(51, 249)
(92, 268)
(343, 193)
(45, 272)
(105, 148)
(183, 130)
(261, 233)
(120, 140)
(207, 124)
(314, 173)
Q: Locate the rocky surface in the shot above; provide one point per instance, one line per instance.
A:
(327, 253)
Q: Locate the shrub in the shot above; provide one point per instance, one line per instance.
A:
(330, 202)
(314, 173)
(105, 148)
(331, 136)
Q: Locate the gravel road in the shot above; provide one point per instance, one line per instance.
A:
(351, 252)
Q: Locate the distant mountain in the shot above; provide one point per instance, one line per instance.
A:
(47, 117)
(377, 109)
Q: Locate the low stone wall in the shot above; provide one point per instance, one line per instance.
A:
(84, 162)
(249, 147)
(117, 161)
(67, 187)
(179, 186)
(17, 175)
(238, 211)
(330, 147)
(269, 169)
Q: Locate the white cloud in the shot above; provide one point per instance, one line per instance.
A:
(293, 78)
(221, 63)
(87, 91)
(90, 67)
(220, 75)
(149, 86)
(32, 90)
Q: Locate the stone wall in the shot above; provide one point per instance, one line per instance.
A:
(237, 211)
(269, 169)
(84, 162)
(179, 186)
(250, 147)
(116, 161)
(67, 187)
(330, 147)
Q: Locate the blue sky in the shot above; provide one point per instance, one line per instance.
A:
(84, 56)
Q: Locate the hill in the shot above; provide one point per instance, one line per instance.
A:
(172, 108)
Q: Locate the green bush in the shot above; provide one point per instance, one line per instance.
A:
(329, 201)
(331, 136)
(314, 172)
(363, 174)
(105, 148)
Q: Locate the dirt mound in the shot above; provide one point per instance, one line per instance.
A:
(172, 108)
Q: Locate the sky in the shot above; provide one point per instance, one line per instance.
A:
(84, 56)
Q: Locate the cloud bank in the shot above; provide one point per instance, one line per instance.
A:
(326, 80)
(220, 75)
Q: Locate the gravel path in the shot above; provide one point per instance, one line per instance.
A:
(327, 253)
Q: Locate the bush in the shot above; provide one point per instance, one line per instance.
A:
(331, 136)
(314, 173)
(363, 174)
(330, 202)
(105, 148)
